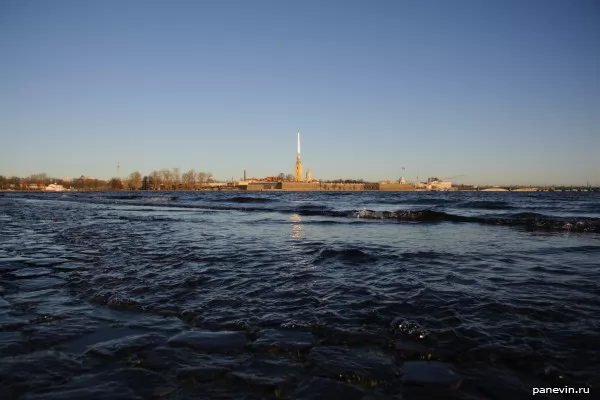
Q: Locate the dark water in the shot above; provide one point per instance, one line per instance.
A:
(298, 295)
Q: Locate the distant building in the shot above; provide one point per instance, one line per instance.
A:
(440, 185)
(434, 183)
(298, 169)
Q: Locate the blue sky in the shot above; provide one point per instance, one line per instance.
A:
(498, 91)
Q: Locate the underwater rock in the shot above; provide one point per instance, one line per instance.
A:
(430, 374)
(410, 350)
(371, 368)
(123, 346)
(202, 374)
(272, 339)
(321, 388)
(220, 342)
(266, 374)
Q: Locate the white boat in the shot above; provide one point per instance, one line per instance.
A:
(53, 187)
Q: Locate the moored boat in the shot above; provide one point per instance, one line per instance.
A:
(53, 187)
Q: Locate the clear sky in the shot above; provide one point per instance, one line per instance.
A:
(501, 92)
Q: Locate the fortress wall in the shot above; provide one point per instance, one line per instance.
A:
(396, 187)
(343, 187)
(259, 186)
(302, 186)
(299, 186)
(329, 187)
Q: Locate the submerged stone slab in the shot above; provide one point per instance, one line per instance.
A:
(35, 371)
(430, 374)
(272, 339)
(266, 374)
(48, 331)
(219, 342)
(122, 383)
(354, 337)
(410, 350)
(321, 388)
(147, 384)
(371, 368)
(123, 346)
(202, 374)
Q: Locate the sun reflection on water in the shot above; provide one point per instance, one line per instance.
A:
(296, 226)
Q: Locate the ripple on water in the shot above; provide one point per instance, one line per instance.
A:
(151, 303)
(38, 283)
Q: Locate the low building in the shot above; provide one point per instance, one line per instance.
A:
(440, 185)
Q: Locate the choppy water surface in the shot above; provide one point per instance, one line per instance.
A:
(298, 295)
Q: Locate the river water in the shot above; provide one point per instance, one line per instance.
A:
(298, 295)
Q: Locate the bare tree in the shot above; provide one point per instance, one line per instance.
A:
(176, 176)
(115, 184)
(289, 177)
(189, 179)
(201, 178)
(156, 178)
(167, 178)
(281, 176)
(135, 180)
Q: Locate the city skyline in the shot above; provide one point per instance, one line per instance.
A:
(502, 93)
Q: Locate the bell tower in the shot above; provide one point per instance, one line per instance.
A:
(298, 170)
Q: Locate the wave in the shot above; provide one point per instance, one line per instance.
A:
(486, 205)
(525, 216)
(312, 207)
(348, 255)
(244, 199)
(141, 198)
(417, 202)
(170, 198)
(528, 220)
(550, 224)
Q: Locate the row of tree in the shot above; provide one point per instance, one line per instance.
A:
(164, 179)
(172, 179)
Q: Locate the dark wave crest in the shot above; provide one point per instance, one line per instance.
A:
(486, 205)
(418, 202)
(245, 199)
(528, 220)
(348, 255)
(141, 198)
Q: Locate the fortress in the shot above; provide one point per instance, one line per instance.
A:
(309, 184)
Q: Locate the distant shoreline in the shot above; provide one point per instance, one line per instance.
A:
(487, 189)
